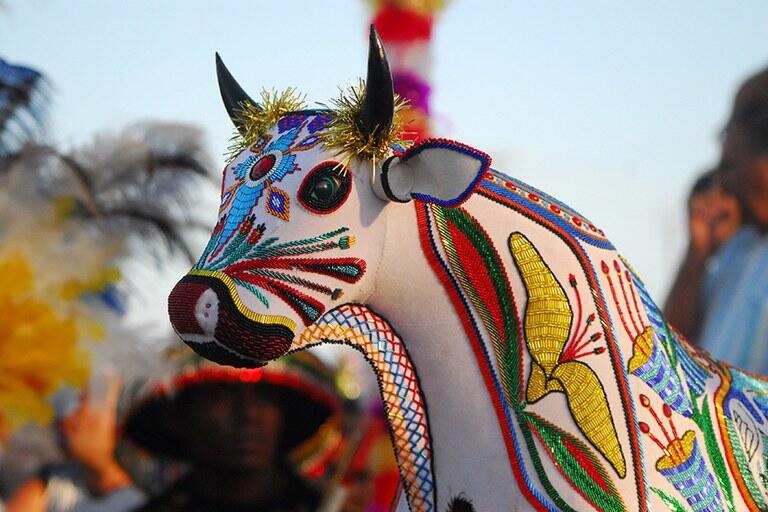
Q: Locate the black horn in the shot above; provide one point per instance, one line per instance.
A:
(375, 117)
(232, 94)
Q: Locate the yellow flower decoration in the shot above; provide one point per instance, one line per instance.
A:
(39, 347)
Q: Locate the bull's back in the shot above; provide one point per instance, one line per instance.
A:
(604, 404)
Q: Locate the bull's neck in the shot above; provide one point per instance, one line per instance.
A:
(452, 371)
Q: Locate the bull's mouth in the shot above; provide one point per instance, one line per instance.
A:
(208, 316)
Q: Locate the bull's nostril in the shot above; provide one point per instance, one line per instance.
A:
(181, 306)
(207, 318)
(207, 311)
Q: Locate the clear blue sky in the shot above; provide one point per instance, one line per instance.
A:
(611, 108)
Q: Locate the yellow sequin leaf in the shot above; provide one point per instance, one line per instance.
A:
(547, 314)
(539, 385)
(548, 318)
(589, 407)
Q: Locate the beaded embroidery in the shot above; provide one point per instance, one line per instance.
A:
(548, 207)
(573, 240)
(554, 351)
(548, 318)
(649, 359)
(479, 274)
(255, 265)
(682, 462)
(278, 203)
(364, 330)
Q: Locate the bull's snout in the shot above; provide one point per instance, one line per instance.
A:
(204, 314)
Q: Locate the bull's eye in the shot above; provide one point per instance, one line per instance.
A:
(325, 188)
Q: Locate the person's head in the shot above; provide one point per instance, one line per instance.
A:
(744, 163)
(224, 418)
(714, 213)
(704, 184)
(230, 425)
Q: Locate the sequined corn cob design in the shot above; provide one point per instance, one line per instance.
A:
(548, 318)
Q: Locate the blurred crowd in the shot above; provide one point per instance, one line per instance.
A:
(102, 411)
(212, 438)
(719, 299)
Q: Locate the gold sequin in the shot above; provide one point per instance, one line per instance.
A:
(678, 451)
(547, 315)
(641, 350)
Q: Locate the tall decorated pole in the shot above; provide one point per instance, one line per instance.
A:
(405, 27)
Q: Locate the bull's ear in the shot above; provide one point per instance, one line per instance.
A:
(438, 171)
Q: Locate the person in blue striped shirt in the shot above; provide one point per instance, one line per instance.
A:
(720, 297)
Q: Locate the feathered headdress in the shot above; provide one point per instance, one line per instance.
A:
(69, 222)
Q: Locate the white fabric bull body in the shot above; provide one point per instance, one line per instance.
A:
(521, 362)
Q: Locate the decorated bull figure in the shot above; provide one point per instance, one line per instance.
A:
(521, 362)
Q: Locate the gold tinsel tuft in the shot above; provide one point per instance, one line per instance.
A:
(344, 136)
(256, 120)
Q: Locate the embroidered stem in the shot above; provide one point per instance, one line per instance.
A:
(624, 293)
(606, 271)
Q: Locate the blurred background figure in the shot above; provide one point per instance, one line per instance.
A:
(90, 479)
(245, 435)
(364, 476)
(406, 28)
(84, 233)
(720, 296)
(714, 216)
(23, 101)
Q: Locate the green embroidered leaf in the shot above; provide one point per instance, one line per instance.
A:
(671, 348)
(671, 502)
(741, 462)
(704, 421)
(492, 298)
(580, 467)
(525, 427)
